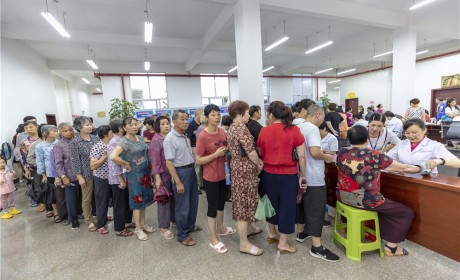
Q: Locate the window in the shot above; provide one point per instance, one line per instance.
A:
(266, 86)
(215, 90)
(149, 92)
(303, 88)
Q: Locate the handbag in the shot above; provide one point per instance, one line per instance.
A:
(46, 193)
(264, 209)
(242, 150)
(162, 195)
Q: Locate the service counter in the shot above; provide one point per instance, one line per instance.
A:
(435, 201)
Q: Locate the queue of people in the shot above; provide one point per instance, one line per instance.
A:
(283, 160)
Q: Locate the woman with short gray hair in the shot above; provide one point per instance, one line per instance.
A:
(80, 149)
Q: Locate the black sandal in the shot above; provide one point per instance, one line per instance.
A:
(57, 219)
(392, 252)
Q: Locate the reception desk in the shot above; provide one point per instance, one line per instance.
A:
(435, 201)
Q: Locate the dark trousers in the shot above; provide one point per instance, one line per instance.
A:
(121, 213)
(311, 210)
(61, 206)
(281, 189)
(216, 193)
(73, 201)
(186, 204)
(395, 220)
(103, 192)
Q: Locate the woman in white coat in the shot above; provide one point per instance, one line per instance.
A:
(417, 148)
(380, 138)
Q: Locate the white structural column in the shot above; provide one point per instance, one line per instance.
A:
(403, 78)
(249, 52)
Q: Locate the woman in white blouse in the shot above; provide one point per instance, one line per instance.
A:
(452, 110)
(380, 138)
(417, 148)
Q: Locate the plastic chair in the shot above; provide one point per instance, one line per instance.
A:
(356, 230)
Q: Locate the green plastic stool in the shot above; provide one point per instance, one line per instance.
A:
(356, 230)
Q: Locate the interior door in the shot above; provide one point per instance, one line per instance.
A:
(51, 119)
(352, 103)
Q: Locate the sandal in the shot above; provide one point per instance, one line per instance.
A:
(130, 225)
(57, 219)
(141, 235)
(92, 227)
(392, 251)
(188, 242)
(102, 230)
(168, 235)
(290, 250)
(219, 247)
(40, 208)
(109, 218)
(49, 214)
(228, 232)
(272, 240)
(124, 233)
(255, 251)
(148, 229)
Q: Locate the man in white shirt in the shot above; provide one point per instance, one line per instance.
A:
(359, 120)
(314, 198)
(394, 124)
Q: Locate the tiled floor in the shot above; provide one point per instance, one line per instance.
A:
(34, 247)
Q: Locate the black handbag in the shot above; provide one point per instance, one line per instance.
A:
(242, 150)
(295, 156)
(46, 193)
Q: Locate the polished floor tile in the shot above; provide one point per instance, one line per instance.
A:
(34, 247)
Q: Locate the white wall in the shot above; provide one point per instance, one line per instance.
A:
(282, 90)
(62, 99)
(27, 87)
(184, 92)
(375, 86)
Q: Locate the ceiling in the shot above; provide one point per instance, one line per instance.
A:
(198, 35)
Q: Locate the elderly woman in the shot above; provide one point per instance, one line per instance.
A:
(279, 179)
(245, 167)
(31, 129)
(381, 139)
(358, 185)
(122, 216)
(66, 174)
(133, 154)
(99, 165)
(417, 148)
(165, 211)
(211, 148)
(80, 148)
(44, 167)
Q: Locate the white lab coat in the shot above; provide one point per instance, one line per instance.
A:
(426, 150)
(395, 125)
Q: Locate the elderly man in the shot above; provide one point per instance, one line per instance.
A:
(191, 132)
(181, 162)
(311, 209)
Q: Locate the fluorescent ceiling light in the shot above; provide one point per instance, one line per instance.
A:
(268, 69)
(146, 65)
(325, 70)
(319, 47)
(148, 30)
(85, 80)
(420, 4)
(421, 52)
(382, 54)
(279, 42)
(92, 64)
(347, 71)
(54, 23)
(333, 82)
(337, 88)
(233, 69)
(98, 89)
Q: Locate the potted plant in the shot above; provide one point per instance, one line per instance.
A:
(325, 101)
(122, 109)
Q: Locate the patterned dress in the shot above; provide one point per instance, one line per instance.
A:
(138, 179)
(243, 172)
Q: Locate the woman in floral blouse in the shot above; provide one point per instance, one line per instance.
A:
(133, 154)
(358, 185)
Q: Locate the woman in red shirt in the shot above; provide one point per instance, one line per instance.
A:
(279, 178)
